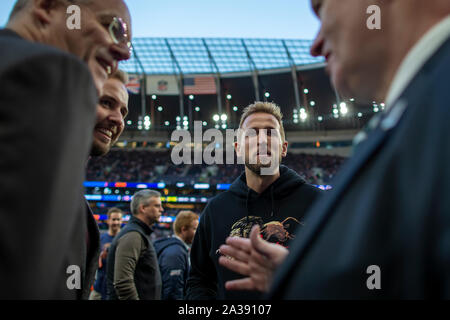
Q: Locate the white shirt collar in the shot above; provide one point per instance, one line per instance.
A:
(185, 244)
(417, 57)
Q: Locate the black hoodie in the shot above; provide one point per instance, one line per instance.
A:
(278, 210)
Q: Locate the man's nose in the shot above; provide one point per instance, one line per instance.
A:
(317, 46)
(116, 117)
(120, 51)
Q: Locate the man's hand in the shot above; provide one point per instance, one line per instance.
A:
(255, 258)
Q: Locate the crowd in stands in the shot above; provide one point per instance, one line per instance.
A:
(156, 166)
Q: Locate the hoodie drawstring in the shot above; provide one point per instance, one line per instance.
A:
(271, 199)
(246, 205)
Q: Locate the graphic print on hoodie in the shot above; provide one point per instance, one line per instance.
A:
(279, 210)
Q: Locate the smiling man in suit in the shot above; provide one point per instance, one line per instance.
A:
(50, 80)
(384, 229)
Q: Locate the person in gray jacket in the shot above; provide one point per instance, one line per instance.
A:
(132, 265)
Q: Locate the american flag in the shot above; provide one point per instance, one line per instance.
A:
(199, 85)
(134, 84)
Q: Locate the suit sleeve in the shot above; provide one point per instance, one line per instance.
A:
(47, 113)
(173, 264)
(202, 281)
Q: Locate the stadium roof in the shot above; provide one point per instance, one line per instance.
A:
(216, 55)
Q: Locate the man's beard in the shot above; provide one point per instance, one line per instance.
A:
(256, 167)
(98, 150)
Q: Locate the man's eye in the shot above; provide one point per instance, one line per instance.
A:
(106, 103)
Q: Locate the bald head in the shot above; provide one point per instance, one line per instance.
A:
(22, 4)
(45, 21)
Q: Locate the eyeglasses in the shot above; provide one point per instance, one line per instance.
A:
(118, 30)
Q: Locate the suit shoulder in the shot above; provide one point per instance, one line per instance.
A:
(19, 53)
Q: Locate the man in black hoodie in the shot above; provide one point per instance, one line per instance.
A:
(266, 194)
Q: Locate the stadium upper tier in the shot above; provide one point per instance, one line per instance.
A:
(217, 55)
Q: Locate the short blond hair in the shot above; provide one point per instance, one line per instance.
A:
(264, 107)
(184, 219)
(120, 75)
(114, 210)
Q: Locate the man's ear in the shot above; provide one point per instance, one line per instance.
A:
(237, 148)
(284, 149)
(44, 10)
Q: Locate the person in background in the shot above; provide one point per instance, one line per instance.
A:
(173, 255)
(114, 222)
(132, 266)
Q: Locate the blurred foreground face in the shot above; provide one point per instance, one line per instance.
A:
(101, 40)
(356, 55)
(111, 112)
(261, 141)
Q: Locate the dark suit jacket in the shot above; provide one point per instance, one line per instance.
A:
(47, 114)
(390, 207)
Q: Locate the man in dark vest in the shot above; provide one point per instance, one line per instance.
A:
(132, 265)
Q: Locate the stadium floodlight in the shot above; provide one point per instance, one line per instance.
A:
(216, 117)
(191, 97)
(343, 107)
(224, 117)
(229, 96)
